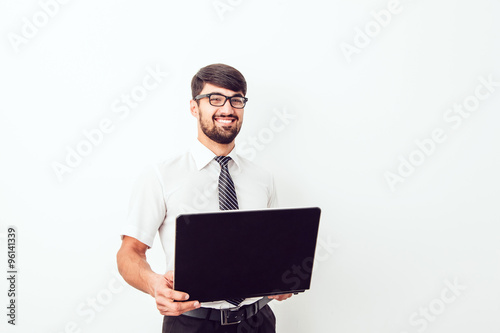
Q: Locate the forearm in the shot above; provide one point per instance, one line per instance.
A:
(134, 268)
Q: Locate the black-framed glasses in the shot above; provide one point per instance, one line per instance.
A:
(216, 99)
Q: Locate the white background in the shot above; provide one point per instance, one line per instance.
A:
(353, 117)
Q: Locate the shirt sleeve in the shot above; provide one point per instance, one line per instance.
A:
(147, 209)
(273, 198)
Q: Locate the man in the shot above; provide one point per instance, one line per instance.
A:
(191, 183)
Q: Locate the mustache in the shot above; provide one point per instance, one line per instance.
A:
(225, 116)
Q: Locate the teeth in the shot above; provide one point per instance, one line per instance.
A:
(224, 121)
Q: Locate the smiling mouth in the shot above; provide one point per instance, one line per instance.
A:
(225, 121)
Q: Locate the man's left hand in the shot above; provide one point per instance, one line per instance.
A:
(280, 297)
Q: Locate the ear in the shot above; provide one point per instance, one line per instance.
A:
(193, 107)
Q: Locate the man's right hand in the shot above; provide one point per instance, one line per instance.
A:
(134, 268)
(164, 294)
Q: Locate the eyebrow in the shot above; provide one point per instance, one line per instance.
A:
(235, 95)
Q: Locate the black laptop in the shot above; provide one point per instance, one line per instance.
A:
(245, 253)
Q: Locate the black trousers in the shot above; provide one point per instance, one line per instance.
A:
(263, 322)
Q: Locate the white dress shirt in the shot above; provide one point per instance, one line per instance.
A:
(189, 184)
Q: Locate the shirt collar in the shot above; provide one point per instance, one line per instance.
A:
(203, 156)
(236, 158)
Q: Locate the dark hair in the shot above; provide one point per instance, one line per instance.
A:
(220, 75)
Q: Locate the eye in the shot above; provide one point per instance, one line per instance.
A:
(217, 99)
(238, 101)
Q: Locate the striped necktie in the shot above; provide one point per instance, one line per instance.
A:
(227, 198)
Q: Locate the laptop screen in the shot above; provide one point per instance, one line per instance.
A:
(234, 254)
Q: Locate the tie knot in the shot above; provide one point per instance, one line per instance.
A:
(223, 160)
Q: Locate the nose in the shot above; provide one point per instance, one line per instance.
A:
(227, 108)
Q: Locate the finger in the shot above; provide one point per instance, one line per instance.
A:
(177, 308)
(169, 275)
(274, 296)
(280, 297)
(174, 294)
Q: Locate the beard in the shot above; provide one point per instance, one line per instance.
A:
(222, 135)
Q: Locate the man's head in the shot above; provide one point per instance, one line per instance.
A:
(218, 100)
(219, 75)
